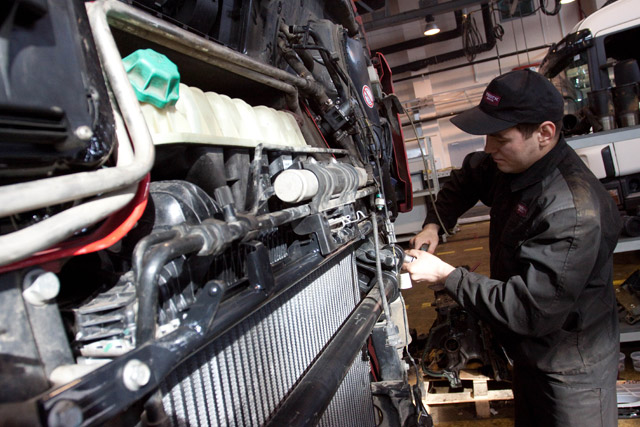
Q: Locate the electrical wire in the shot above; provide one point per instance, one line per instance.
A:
(553, 12)
(471, 39)
(498, 33)
(429, 185)
(419, 383)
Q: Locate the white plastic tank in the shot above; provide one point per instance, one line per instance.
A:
(211, 118)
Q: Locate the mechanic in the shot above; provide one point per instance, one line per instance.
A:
(550, 299)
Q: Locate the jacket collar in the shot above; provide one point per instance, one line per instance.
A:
(541, 168)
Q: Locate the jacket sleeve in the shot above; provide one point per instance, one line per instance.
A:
(556, 264)
(466, 186)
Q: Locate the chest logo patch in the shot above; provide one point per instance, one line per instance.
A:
(522, 209)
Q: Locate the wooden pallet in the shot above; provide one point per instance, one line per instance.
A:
(475, 390)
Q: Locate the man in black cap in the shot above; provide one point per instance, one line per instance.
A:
(550, 299)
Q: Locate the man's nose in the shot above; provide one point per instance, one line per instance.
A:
(489, 146)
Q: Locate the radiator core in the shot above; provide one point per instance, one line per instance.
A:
(240, 378)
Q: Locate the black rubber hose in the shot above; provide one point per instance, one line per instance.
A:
(147, 289)
(143, 245)
(344, 12)
(313, 88)
(329, 64)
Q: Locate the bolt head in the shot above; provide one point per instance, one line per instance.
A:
(135, 375)
(40, 287)
(84, 133)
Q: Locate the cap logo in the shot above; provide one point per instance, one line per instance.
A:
(492, 99)
(522, 209)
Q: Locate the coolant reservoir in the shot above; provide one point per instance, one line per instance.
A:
(211, 118)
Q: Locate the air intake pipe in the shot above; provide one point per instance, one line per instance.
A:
(318, 180)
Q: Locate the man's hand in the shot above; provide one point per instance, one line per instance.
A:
(427, 268)
(427, 237)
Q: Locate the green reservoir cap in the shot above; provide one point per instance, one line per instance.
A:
(155, 79)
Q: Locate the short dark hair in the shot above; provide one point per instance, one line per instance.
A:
(527, 129)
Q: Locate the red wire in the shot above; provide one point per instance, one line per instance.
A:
(111, 231)
(373, 359)
(316, 124)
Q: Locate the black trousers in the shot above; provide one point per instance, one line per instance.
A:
(583, 400)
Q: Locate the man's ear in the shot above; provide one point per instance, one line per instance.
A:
(546, 134)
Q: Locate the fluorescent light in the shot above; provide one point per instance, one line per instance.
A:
(566, 1)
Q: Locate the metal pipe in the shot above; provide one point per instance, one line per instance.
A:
(310, 398)
(524, 34)
(480, 61)
(147, 286)
(152, 239)
(515, 41)
(376, 244)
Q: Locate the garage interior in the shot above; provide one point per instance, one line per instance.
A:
(205, 224)
(436, 77)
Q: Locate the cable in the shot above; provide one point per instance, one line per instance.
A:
(471, 39)
(419, 383)
(498, 33)
(424, 160)
(553, 12)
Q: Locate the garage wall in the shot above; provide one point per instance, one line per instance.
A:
(434, 93)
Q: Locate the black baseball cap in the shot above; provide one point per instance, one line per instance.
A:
(521, 96)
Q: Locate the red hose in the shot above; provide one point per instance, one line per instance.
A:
(111, 231)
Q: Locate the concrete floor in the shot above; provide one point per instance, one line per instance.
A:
(470, 247)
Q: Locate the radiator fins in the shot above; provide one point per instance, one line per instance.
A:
(239, 379)
(351, 405)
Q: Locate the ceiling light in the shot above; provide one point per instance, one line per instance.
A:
(566, 1)
(431, 28)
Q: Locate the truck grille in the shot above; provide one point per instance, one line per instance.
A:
(240, 378)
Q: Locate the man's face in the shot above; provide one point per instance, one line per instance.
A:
(511, 151)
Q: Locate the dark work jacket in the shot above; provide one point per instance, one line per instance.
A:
(550, 298)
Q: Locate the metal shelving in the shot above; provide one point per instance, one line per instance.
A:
(604, 137)
(625, 244)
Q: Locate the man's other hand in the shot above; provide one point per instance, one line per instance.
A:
(427, 237)
(427, 268)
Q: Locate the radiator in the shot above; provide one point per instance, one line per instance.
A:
(239, 379)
